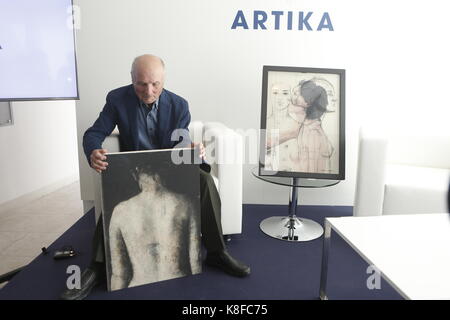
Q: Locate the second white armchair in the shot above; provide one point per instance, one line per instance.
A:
(402, 175)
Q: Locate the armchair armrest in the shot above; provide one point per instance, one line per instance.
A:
(224, 152)
(112, 143)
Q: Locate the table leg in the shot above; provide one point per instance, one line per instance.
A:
(324, 269)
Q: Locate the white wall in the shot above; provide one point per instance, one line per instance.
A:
(39, 150)
(395, 54)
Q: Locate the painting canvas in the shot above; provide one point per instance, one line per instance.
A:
(303, 123)
(151, 217)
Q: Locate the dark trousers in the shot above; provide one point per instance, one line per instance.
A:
(211, 226)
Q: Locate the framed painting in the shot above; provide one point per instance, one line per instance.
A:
(151, 217)
(302, 123)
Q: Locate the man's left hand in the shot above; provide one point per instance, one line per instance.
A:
(201, 147)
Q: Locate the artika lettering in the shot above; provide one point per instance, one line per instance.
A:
(283, 20)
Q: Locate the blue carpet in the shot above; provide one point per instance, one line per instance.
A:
(280, 270)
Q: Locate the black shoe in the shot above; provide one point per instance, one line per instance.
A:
(89, 279)
(227, 263)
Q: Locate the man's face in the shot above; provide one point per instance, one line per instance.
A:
(297, 98)
(148, 82)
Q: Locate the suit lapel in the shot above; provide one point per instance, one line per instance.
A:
(164, 112)
(132, 108)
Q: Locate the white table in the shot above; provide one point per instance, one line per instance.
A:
(412, 252)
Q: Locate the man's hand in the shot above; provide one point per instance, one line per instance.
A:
(201, 148)
(98, 158)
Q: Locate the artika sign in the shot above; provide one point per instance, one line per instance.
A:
(282, 20)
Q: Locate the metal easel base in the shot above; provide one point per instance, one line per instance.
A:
(291, 228)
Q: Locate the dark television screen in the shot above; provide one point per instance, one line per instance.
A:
(37, 50)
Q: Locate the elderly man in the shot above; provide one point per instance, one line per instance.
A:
(147, 115)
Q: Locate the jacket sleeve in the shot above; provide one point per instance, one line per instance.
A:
(183, 123)
(103, 126)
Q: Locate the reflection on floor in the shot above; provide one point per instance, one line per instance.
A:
(28, 227)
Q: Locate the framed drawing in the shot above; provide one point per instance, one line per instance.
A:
(151, 218)
(303, 123)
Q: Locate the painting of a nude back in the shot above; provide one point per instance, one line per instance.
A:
(151, 215)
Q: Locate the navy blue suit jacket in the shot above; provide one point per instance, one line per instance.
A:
(121, 109)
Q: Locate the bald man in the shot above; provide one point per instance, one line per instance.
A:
(146, 115)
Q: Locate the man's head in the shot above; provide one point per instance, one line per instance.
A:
(147, 75)
(311, 97)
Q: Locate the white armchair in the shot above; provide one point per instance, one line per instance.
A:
(402, 175)
(225, 155)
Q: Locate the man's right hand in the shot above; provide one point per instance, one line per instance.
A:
(98, 160)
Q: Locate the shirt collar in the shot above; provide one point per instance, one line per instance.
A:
(156, 104)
